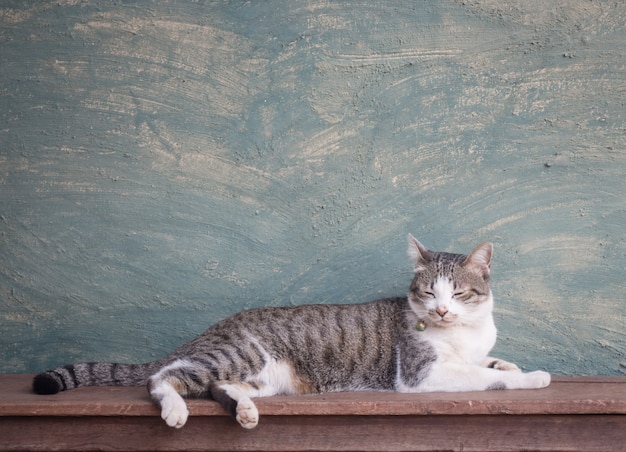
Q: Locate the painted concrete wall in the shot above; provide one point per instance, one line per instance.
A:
(164, 164)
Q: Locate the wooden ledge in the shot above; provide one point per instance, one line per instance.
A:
(566, 395)
(585, 413)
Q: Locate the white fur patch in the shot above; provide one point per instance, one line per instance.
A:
(276, 378)
(173, 407)
(443, 291)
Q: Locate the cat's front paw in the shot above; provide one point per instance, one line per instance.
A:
(174, 411)
(500, 364)
(247, 414)
(537, 379)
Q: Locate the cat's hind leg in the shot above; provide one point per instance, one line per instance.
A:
(235, 398)
(173, 407)
(169, 385)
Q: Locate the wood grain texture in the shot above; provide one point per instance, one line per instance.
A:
(571, 414)
(596, 433)
(164, 164)
(566, 395)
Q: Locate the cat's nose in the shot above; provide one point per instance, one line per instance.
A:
(442, 312)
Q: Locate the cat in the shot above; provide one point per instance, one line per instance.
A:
(437, 338)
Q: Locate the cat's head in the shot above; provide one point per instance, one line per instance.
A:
(450, 289)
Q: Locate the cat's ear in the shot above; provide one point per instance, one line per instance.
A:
(480, 258)
(418, 253)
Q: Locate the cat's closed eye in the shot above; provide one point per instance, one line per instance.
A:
(466, 296)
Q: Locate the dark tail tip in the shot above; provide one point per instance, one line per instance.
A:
(45, 383)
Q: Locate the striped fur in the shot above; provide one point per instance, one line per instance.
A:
(326, 348)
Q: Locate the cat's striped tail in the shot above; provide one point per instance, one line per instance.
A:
(93, 374)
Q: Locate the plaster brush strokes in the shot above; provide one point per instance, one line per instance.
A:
(165, 164)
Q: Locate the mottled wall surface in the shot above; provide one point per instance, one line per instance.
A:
(164, 164)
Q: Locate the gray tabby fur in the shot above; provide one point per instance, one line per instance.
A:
(435, 339)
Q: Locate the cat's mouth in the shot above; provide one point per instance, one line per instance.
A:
(442, 320)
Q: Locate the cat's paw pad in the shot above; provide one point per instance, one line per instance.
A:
(500, 364)
(174, 411)
(538, 379)
(247, 414)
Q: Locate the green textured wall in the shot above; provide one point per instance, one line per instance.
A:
(164, 164)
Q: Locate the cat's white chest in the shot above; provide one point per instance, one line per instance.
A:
(469, 345)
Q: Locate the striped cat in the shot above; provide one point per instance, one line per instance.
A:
(435, 339)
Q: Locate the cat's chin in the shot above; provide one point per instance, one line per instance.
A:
(443, 323)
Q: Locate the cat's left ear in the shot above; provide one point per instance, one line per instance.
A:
(480, 258)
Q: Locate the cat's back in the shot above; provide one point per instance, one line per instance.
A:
(312, 323)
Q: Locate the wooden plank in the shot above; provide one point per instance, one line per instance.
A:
(581, 395)
(294, 433)
(574, 413)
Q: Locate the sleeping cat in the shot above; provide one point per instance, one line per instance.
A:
(435, 339)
